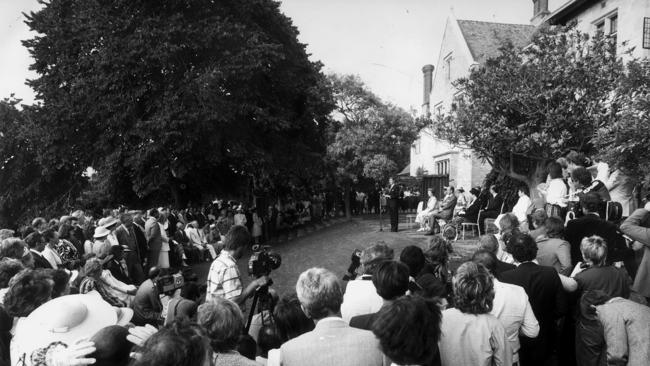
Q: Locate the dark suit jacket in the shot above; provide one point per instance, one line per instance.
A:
(395, 192)
(503, 267)
(118, 272)
(40, 261)
(126, 240)
(152, 232)
(589, 225)
(494, 203)
(547, 298)
(447, 207)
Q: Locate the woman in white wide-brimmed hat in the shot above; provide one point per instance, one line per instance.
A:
(58, 326)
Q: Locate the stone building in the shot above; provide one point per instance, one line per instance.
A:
(465, 44)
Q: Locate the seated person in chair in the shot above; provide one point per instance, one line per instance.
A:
(422, 216)
(446, 209)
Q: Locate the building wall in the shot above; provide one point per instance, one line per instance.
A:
(462, 167)
(630, 22)
(453, 47)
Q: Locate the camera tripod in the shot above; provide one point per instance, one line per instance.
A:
(264, 300)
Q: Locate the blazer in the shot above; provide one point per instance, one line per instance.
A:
(118, 272)
(447, 206)
(625, 325)
(494, 203)
(637, 226)
(333, 343)
(547, 298)
(589, 225)
(126, 239)
(153, 235)
(395, 192)
(40, 261)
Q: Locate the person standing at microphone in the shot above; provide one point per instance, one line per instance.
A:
(394, 196)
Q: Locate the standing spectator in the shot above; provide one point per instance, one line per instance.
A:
(637, 226)
(490, 243)
(621, 188)
(240, 218)
(552, 249)
(626, 333)
(257, 227)
(361, 295)
(127, 239)
(510, 306)
(556, 191)
(391, 279)
(36, 245)
(592, 224)
(538, 217)
(522, 207)
(470, 334)
(100, 246)
(394, 197)
(408, 330)
(224, 323)
(154, 238)
(223, 278)
(49, 252)
(332, 342)
(544, 289)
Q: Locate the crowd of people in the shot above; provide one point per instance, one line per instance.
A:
(554, 285)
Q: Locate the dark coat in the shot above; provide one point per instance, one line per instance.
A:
(592, 224)
(40, 261)
(548, 300)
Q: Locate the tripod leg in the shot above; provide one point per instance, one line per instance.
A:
(251, 312)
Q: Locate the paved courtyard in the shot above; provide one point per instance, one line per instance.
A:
(331, 247)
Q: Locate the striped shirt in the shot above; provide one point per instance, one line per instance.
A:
(223, 278)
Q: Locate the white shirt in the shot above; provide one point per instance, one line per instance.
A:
(52, 256)
(512, 308)
(556, 192)
(521, 209)
(360, 298)
(194, 236)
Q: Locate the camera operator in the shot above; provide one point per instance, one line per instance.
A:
(224, 279)
(361, 295)
(147, 307)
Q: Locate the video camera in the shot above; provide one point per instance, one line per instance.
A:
(170, 283)
(262, 262)
(355, 262)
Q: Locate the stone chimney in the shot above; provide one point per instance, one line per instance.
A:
(427, 73)
(540, 11)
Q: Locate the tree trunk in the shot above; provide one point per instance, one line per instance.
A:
(346, 199)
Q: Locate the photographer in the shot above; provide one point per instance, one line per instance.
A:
(224, 280)
(361, 295)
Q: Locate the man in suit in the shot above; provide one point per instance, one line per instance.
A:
(332, 342)
(592, 224)
(394, 196)
(492, 208)
(36, 244)
(490, 243)
(391, 281)
(118, 266)
(154, 238)
(545, 292)
(446, 209)
(127, 239)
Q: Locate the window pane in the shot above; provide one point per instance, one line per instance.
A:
(613, 22)
(646, 32)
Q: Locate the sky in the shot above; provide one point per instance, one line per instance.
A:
(385, 42)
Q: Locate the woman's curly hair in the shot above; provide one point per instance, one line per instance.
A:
(27, 291)
(9, 267)
(473, 289)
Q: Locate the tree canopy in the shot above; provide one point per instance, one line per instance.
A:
(173, 99)
(526, 107)
(369, 138)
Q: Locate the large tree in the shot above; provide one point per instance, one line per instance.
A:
(368, 137)
(174, 99)
(528, 106)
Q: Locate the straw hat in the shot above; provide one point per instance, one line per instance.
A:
(108, 221)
